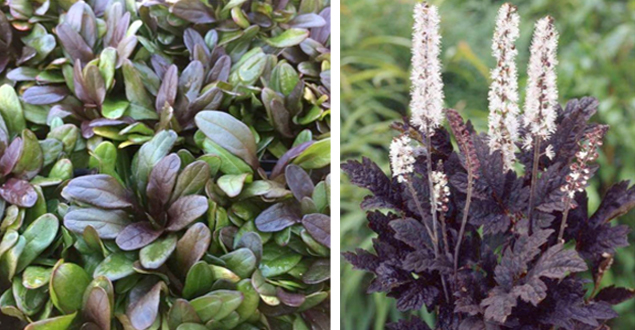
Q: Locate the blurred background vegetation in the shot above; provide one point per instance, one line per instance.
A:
(597, 58)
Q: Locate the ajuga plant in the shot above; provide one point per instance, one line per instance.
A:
(164, 164)
(493, 231)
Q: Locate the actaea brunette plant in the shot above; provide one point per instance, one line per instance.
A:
(479, 244)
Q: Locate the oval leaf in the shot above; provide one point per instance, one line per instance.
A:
(229, 133)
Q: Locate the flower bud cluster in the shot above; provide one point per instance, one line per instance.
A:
(464, 140)
(580, 174)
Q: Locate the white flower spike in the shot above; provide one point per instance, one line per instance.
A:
(503, 92)
(542, 92)
(401, 157)
(426, 101)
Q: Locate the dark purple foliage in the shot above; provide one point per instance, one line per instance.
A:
(508, 276)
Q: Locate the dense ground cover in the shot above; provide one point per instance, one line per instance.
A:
(165, 164)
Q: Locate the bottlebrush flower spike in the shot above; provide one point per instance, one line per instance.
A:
(581, 172)
(401, 157)
(427, 96)
(542, 92)
(503, 92)
(464, 140)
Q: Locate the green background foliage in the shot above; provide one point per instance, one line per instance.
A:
(597, 58)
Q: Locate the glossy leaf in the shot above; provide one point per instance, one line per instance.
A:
(185, 210)
(98, 190)
(154, 255)
(116, 266)
(11, 110)
(277, 217)
(107, 223)
(192, 246)
(181, 313)
(39, 235)
(192, 180)
(319, 226)
(229, 133)
(198, 281)
(67, 286)
(55, 323)
(288, 38)
(137, 235)
(18, 192)
(149, 155)
(144, 312)
(161, 181)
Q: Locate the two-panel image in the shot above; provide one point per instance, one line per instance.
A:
(317, 164)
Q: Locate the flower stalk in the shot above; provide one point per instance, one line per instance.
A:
(542, 97)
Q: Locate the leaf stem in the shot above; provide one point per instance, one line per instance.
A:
(433, 200)
(563, 224)
(466, 210)
(534, 180)
(415, 198)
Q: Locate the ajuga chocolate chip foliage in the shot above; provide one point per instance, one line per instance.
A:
(492, 230)
(165, 164)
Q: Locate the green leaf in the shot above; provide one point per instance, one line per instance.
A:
(67, 286)
(288, 38)
(9, 260)
(104, 158)
(317, 155)
(251, 299)
(149, 155)
(242, 262)
(191, 326)
(39, 235)
(278, 260)
(217, 305)
(107, 62)
(135, 90)
(68, 134)
(181, 313)
(199, 280)
(36, 276)
(232, 184)
(62, 170)
(319, 272)
(284, 78)
(11, 110)
(31, 158)
(27, 300)
(56, 323)
(191, 180)
(115, 266)
(154, 255)
(229, 133)
(114, 109)
(230, 164)
(8, 241)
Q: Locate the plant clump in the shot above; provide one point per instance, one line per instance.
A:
(463, 232)
(165, 164)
